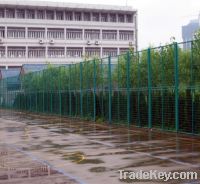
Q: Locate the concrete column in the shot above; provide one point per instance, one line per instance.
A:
(125, 18)
(35, 14)
(45, 36)
(73, 16)
(25, 14)
(65, 52)
(6, 31)
(82, 17)
(45, 14)
(100, 38)
(99, 17)
(101, 52)
(117, 35)
(83, 51)
(118, 51)
(54, 14)
(64, 15)
(26, 32)
(83, 34)
(117, 20)
(15, 13)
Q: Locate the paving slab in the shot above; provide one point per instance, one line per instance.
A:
(50, 149)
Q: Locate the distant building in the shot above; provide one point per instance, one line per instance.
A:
(189, 30)
(35, 32)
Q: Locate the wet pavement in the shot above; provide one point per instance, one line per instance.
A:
(48, 149)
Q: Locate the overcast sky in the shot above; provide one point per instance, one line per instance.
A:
(158, 19)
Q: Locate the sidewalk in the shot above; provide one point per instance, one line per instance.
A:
(18, 168)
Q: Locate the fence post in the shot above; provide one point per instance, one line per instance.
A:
(162, 86)
(94, 87)
(60, 95)
(149, 89)
(43, 95)
(138, 90)
(176, 86)
(81, 88)
(128, 86)
(192, 87)
(70, 97)
(110, 89)
(118, 88)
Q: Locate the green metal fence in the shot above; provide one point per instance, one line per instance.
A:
(155, 88)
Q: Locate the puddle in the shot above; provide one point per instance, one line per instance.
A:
(14, 129)
(98, 169)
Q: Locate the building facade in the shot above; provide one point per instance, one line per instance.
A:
(189, 30)
(35, 32)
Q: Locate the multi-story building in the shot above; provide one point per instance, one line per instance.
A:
(189, 30)
(35, 32)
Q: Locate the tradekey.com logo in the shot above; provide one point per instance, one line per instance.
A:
(157, 175)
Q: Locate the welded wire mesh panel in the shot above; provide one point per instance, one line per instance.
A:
(167, 86)
(143, 88)
(195, 86)
(154, 88)
(185, 82)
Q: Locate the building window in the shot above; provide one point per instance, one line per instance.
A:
(50, 14)
(95, 16)
(68, 16)
(40, 14)
(30, 14)
(14, 32)
(126, 35)
(92, 52)
(77, 16)
(121, 18)
(109, 52)
(109, 35)
(10, 13)
(74, 34)
(104, 17)
(113, 18)
(129, 18)
(20, 14)
(55, 33)
(59, 15)
(36, 33)
(2, 32)
(2, 52)
(92, 34)
(56, 52)
(36, 52)
(75, 52)
(2, 13)
(123, 50)
(86, 16)
(16, 52)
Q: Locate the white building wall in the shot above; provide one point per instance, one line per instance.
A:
(124, 38)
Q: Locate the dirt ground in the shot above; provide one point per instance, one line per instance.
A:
(41, 149)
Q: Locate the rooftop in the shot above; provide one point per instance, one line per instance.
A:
(64, 5)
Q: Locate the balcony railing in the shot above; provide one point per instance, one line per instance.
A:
(16, 52)
(56, 52)
(16, 33)
(36, 52)
(74, 52)
(92, 52)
